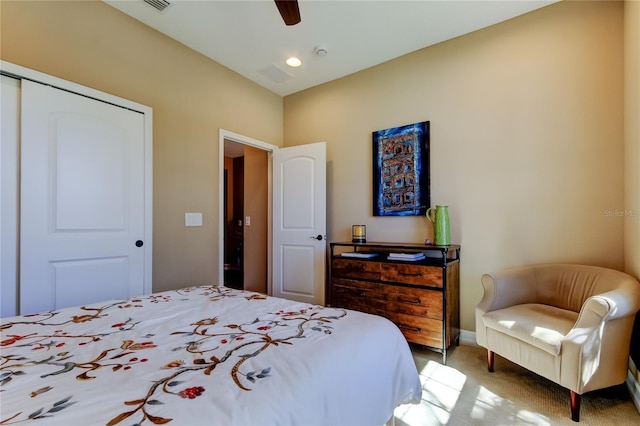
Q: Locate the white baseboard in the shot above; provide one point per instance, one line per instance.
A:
(634, 389)
(468, 338)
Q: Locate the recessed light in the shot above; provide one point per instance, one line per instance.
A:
(293, 62)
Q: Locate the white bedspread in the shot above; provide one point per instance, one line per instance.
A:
(204, 355)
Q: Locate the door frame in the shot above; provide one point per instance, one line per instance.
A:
(23, 73)
(269, 148)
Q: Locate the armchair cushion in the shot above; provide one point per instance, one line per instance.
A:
(542, 326)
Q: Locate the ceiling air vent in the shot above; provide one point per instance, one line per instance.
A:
(276, 74)
(158, 4)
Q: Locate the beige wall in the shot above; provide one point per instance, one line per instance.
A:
(526, 145)
(91, 43)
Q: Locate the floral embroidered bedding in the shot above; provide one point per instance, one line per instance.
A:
(203, 355)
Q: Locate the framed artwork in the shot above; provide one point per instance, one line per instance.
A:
(401, 170)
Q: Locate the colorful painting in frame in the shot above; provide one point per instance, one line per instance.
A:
(401, 170)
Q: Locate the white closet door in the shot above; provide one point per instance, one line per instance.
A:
(82, 200)
(9, 146)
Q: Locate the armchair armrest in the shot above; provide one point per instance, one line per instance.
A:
(584, 347)
(613, 304)
(623, 301)
(593, 312)
(503, 289)
(507, 288)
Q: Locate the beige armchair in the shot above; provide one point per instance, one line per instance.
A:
(569, 323)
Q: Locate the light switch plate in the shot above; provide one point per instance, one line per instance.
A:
(193, 219)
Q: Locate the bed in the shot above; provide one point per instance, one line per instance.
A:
(204, 355)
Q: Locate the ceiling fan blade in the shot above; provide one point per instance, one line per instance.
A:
(289, 11)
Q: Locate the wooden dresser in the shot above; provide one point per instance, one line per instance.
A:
(420, 296)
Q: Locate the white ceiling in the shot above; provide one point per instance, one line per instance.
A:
(249, 36)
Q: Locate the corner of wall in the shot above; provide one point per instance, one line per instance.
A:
(632, 174)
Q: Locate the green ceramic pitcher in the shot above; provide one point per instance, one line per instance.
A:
(441, 228)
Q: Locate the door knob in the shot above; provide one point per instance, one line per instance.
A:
(318, 237)
(139, 243)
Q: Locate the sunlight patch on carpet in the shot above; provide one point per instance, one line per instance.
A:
(444, 403)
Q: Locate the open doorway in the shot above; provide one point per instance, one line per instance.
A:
(233, 215)
(245, 205)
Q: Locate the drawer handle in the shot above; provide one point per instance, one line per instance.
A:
(363, 294)
(412, 301)
(410, 275)
(406, 327)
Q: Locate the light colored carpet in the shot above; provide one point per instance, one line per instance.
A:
(463, 392)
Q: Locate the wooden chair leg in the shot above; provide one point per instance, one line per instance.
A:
(575, 406)
(490, 358)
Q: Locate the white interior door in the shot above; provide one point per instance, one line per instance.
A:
(299, 222)
(82, 200)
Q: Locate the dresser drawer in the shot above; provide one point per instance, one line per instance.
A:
(360, 269)
(349, 299)
(414, 301)
(423, 331)
(411, 274)
(416, 329)
(362, 295)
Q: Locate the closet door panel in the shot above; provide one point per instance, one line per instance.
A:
(89, 161)
(82, 200)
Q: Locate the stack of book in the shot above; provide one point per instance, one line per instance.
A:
(406, 256)
(364, 255)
